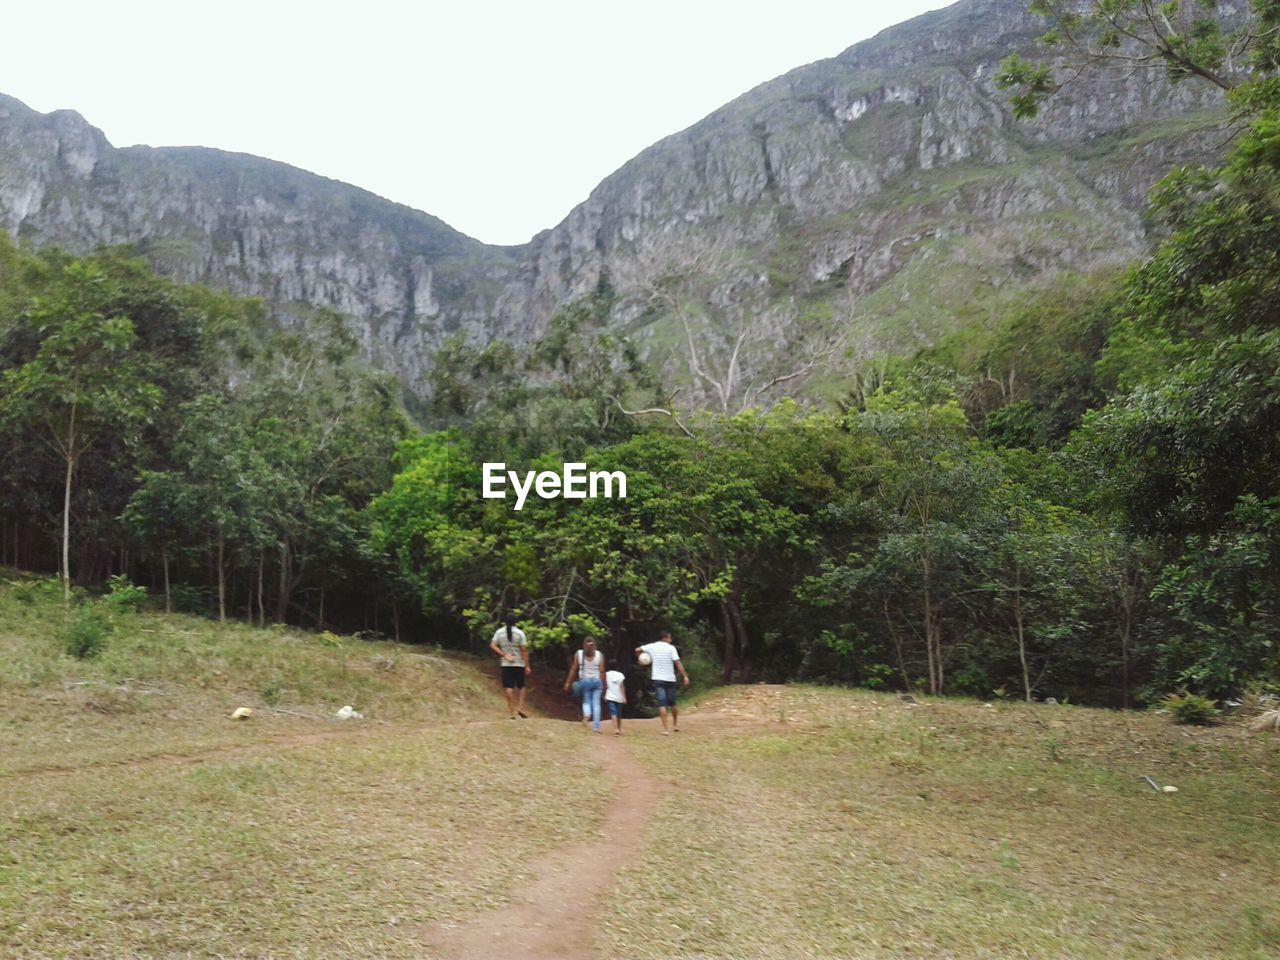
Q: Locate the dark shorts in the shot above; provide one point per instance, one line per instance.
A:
(513, 678)
(615, 708)
(666, 692)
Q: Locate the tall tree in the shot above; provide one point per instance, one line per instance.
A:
(82, 379)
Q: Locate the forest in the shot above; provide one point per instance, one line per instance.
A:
(1080, 500)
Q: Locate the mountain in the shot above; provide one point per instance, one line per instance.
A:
(872, 201)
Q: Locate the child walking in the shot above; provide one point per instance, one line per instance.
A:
(615, 696)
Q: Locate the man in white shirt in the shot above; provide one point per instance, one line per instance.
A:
(666, 661)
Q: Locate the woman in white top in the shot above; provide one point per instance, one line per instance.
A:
(588, 665)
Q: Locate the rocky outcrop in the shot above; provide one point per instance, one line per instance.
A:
(254, 227)
(886, 191)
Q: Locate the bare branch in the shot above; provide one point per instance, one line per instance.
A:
(667, 413)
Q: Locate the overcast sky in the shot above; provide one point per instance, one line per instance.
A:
(496, 117)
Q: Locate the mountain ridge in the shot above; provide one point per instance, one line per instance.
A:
(850, 203)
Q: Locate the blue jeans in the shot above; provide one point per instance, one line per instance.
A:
(591, 690)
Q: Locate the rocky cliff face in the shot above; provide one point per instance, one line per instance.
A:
(254, 227)
(872, 200)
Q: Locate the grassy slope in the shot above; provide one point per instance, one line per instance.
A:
(137, 821)
(830, 823)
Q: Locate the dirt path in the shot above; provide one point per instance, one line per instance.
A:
(546, 920)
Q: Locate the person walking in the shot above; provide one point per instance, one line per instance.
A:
(665, 661)
(588, 666)
(512, 648)
(615, 695)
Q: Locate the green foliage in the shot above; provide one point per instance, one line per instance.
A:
(89, 632)
(563, 395)
(1190, 708)
(1076, 496)
(123, 596)
(1198, 39)
(31, 591)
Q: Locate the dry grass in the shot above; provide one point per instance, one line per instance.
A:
(817, 823)
(136, 820)
(330, 849)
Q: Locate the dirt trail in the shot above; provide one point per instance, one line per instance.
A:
(547, 920)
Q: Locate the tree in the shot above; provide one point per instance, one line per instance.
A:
(82, 379)
(1030, 569)
(157, 515)
(1203, 39)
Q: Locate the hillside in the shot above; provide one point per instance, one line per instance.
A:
(137, 820)
(868, 202)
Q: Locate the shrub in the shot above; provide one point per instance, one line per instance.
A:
(89, 633)
(29, 591)
(1190, 708)
(272, 693)
(188, 599)
(124, 596)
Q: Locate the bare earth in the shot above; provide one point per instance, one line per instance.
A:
(556, 916)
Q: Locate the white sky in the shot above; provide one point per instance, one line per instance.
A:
(496, 117)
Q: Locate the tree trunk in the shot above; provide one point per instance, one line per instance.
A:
(395, 617)
(320, 617)
(1022, 646)
(222, 582)
(1126, 626)
(935, 681)
(262, 606)
(740, 628)
(66, 532)
(164, 562)
(282, 601)
(730, 644)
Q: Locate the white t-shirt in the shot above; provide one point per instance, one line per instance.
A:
(615, 686)
(590, 669)
(664, 657)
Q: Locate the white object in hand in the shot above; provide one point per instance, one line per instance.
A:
(645, 659)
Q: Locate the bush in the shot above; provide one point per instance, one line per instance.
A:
(123, 596)
(188, 599)
(29, 591)
(1190, 708)
(89, 634)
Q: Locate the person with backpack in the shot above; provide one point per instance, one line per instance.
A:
(512, 648)
(588, 666)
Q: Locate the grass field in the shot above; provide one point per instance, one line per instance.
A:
(804, 822)
(136, 820)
